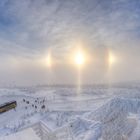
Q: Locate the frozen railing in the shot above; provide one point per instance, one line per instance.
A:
(44, 133)
(63, 133)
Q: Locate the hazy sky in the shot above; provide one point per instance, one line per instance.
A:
(30, 29)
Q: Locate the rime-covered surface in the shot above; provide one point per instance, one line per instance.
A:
(98, 113)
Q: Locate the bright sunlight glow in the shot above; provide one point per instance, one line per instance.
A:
(49, 60)
(112, 59)
(79, 58)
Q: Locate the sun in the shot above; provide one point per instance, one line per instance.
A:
(79, 58)
(49, 60)
(112, 59)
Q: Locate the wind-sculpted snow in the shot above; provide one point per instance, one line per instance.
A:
(114, 117)
(83, 129)
(115, 108)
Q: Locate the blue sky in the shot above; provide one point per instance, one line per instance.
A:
(29, 28)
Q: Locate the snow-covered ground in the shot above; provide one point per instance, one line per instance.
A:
(26, 134)
(54, 113)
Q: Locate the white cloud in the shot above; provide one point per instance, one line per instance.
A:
(42, 24)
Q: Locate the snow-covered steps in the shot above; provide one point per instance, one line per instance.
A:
(63, 133)
(46, 134)
(78, 129)
(37, 130)
(42, 131)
